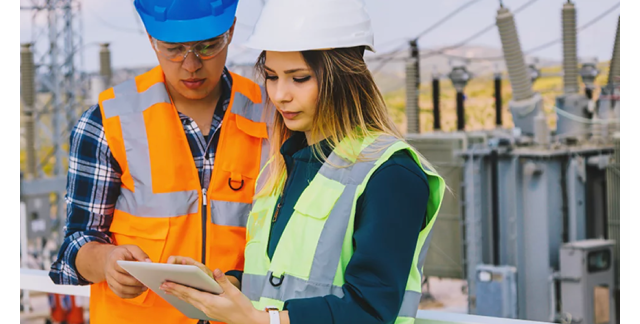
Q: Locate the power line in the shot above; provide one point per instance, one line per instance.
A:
(581, 28)
(476, 35)
(447, 17)
(529, 51)
(389, 42)
(424, 32)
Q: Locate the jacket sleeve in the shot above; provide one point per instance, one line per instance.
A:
(93, 186)
(389, 216)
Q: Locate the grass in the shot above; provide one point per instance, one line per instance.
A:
(479, 102)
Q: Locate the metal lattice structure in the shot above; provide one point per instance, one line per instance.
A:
(55, 101)
(52, 92)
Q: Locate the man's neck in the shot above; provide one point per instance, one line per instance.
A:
(200, 110)
(186, 105)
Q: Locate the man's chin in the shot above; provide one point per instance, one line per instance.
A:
(194, 94)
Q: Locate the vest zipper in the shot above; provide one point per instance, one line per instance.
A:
(275, 215)
(281, 203)
(204, 226)
(204, 196)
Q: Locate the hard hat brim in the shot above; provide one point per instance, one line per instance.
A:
(292, 47)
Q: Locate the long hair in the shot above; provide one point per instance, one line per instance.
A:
(349, 106)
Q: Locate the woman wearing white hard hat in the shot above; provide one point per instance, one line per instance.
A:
(340, 226)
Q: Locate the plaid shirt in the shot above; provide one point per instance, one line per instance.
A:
(93, 181)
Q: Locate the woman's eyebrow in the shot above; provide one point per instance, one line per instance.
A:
(287, 71)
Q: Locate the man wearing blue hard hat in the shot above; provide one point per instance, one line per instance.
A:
(164, 165)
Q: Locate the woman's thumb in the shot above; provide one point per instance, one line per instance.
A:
(222, 280)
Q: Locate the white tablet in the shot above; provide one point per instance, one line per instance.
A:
(153, 275)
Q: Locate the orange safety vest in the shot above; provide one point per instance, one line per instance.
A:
(160, 207)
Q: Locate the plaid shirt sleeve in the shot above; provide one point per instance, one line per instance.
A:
(93, 186)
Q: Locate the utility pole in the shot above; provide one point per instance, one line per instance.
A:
(413, 89)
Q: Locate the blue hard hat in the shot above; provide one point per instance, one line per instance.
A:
(179, 21)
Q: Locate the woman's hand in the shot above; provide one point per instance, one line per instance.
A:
(190, 261)
(187, 260)
(231, 306)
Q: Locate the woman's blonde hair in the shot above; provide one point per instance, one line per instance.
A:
(349, 106)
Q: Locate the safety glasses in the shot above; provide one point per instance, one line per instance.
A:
(204, 50)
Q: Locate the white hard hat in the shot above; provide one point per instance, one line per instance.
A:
(300, 25)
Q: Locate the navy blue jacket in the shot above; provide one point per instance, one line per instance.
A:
(389, 216)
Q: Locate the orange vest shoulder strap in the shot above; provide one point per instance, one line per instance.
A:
(127, 101)
(247, 99)
(248, 88)
(148, 87)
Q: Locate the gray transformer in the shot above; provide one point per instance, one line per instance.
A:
(497, 293)
(445, 257)
(520, 205)
(587, 282)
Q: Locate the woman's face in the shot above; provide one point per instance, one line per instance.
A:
(293, 89)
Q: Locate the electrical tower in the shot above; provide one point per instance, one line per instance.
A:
(52, 91)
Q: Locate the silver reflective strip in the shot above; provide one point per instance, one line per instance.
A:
(127, 87)
(244, 107)
(424, 249)
(339, 169)
(252, 285)
(264, 152)
(269, 111)
(229, 213)
(410, 303)
(329, 248)
(256, 286)
(129, 105)
(264, 173)
(127, 99)
(148, 204)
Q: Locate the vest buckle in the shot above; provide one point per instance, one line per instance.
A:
(236, 189)
(271, 277)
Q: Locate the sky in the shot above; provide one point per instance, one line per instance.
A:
(394, 22)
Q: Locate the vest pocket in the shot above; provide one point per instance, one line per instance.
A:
(302, 233)
(319, 198)
(252, 128)
(149, 234)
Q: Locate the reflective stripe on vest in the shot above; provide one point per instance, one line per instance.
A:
(292, 288)
(277, 285)
(129, 105)
(227, 212)
(159, 208)
(243, 106)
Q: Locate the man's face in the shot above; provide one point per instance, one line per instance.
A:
(193, 78)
